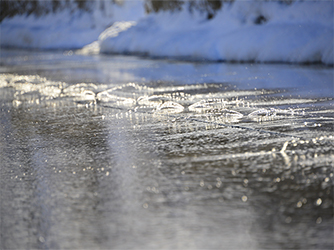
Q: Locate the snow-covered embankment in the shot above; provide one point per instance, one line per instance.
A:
(64, 24)
(260, 31)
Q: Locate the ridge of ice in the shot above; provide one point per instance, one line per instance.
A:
(170, 107)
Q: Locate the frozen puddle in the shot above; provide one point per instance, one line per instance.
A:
(181, 103)
(165, 164)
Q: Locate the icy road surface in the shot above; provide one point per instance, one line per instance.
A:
(112, 152)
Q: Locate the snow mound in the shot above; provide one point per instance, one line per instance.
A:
(260, 31)
(66, 28)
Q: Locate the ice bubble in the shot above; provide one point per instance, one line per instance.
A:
(263, 112)
(114, 100)
(205, 105)
(169, 107)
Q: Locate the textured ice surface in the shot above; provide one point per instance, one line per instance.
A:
(88, 161)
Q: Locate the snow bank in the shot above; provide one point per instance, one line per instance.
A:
(260, 31)
(68, 28)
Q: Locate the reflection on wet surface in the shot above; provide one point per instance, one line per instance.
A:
(162, 165)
